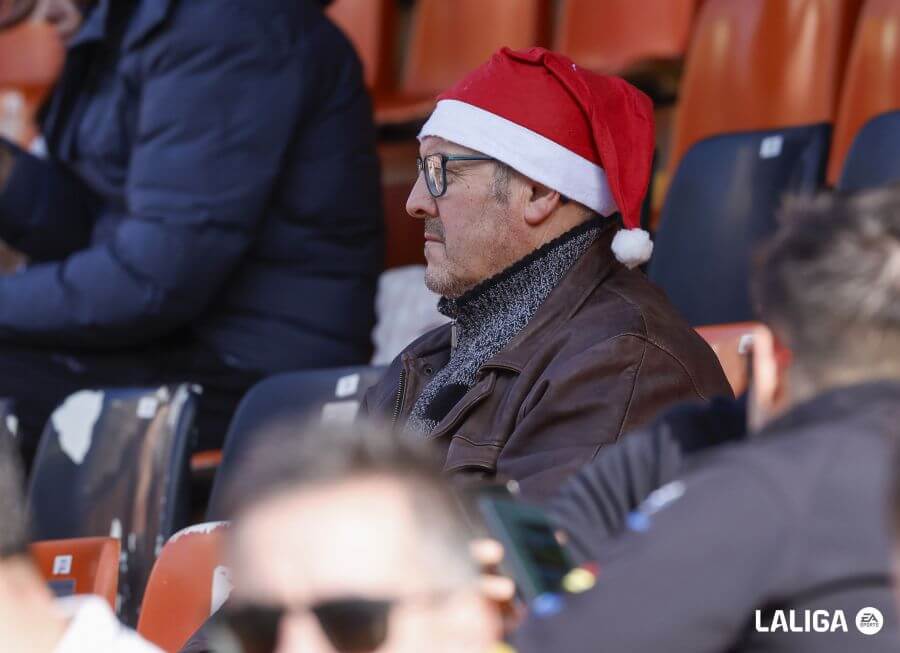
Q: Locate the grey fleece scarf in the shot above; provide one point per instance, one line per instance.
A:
(488, 317)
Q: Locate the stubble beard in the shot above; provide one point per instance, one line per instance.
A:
(441, 281)
(444, 281)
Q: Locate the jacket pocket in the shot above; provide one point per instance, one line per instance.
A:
(466, 454)
(461, 412)
(475, 439)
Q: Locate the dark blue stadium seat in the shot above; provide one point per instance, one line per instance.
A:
(874, 156)
(115, 463)
(720, 204)
(282, 403)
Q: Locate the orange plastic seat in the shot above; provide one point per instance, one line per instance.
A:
(31, 59)
(206, 461)
(757, 101)
(87, 565)
(448, 39)
(369, 24)
(872, 82)
(731, 343)
(761, 65)
(613, 36)
(187, 585)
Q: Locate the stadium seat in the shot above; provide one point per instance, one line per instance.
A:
(757, 101)
(866, 143)
(731, 343)
(282, 403)
(115, 463)
(615, 36)
(720, 205)
(448, 39)
(369, 24)
(86, 565)
(31, 59)
(755, 66)
(874, 157)
(187, 585)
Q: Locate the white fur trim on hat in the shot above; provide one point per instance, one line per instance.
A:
(524, 150)
(632, 247)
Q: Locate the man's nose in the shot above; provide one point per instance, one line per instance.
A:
(301, 634)
(420, 204)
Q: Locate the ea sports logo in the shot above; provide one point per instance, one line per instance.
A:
(869, 621)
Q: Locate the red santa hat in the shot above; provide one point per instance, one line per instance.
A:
(587, 136)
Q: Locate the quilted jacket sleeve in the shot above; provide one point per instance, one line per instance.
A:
(217, 112)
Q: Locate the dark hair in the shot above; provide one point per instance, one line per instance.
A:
(317, 455)
(828, 283)
(13, 521)
(500, 183)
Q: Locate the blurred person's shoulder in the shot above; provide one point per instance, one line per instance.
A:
(288, 33)
(827, 457)
(94, 627)
(279, 21)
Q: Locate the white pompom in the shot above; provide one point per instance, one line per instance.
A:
(632, 247)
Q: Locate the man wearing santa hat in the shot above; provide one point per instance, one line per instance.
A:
(532, 172)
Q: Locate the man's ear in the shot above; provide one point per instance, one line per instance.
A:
(769, 393)
(540, 204)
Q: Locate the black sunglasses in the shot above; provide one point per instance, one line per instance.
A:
(351, 625)
(435, 168)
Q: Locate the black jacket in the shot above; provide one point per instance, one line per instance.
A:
(212, 169)
(593, 505)
(794, 519)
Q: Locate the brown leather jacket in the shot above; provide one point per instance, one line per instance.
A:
(604, 354)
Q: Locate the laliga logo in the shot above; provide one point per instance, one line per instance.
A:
(869, 621)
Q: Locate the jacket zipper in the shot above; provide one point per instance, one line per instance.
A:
(398, 401)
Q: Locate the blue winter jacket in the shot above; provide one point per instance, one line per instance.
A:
(212, 170)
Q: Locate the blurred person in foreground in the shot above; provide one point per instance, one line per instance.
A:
(349, 540)
(65, 16)
(209, 209)
(532, 173)
(31, 619)
(894, 509)
(779, 543)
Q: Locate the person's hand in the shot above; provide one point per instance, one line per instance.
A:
(497, 588)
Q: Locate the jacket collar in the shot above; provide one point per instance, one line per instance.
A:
(588, 272)
(147, 16)
(836, 405)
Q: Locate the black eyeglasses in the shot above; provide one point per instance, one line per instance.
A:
(351, 625)
(435, 168)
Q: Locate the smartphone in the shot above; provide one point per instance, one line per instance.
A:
(533, 557)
